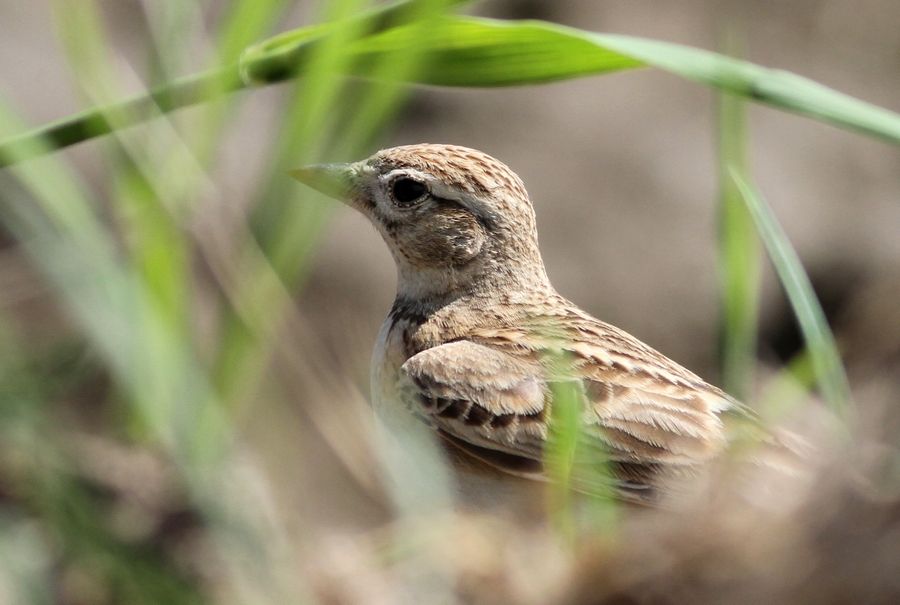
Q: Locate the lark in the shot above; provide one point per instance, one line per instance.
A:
(478, 339)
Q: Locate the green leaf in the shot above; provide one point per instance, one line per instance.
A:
(774, 87)
(470, 51)
(738, 255)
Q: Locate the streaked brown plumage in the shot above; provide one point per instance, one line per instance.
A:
(477, 335)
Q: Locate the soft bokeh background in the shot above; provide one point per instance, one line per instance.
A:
(622, 173)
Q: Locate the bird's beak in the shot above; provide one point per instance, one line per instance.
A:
(334, 180)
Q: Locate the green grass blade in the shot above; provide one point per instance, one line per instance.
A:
(559, 458)
(738, 257)
(276, 60)
(823, 351)
(99, 121)
(156, 251)
(469, 51)
(243, 24)
(151, 361)
(285, 230)
(582, 492)
(485, 52)
(774, 87)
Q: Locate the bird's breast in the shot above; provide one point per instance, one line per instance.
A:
(390, 391)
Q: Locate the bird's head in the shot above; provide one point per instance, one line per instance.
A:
(453, 218)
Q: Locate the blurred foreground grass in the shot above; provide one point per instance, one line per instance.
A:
(128, 467)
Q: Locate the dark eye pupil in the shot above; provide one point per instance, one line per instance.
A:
(407, 191)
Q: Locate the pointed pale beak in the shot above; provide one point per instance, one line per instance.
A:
(334, 180)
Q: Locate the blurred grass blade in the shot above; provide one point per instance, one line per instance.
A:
(245, 20)
(147, 200)
(582, 491)
(319, 121)
(787, 389)
(374, 110)
(150, 359)
(284, 230)
(559, 458)
(823, 351)
(738, 257)
(271, 62)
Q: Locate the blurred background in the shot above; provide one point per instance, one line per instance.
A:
(102, 502)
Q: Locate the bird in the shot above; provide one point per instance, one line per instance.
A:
(480, 347)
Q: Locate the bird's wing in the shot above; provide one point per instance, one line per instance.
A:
(491, 396)
(485, 401)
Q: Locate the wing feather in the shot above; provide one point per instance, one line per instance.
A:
(492, 401)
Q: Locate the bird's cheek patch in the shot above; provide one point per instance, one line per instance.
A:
(452, 239)
(467, 246)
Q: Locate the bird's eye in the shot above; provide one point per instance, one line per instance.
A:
(407, 191)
